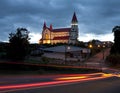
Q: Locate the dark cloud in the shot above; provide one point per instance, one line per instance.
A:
(94, 16)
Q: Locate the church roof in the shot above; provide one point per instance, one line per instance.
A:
(62, 30)
(61, 38)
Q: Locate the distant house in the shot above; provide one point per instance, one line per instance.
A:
(72, 52)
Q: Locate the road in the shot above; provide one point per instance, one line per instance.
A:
(50, 83)
(107, 85)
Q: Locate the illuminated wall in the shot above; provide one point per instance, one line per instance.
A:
(48, 37)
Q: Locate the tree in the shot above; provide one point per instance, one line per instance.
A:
(116, 46)
(18, 44)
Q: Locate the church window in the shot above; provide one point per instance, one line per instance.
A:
(46, 36)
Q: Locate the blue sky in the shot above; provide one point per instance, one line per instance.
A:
(96, 17)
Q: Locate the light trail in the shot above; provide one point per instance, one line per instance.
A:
(86, 77)
(58, 81)
(71, 78)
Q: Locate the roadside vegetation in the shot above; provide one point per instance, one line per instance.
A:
(114, 58)
(17, 69)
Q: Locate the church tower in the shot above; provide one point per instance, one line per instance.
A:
(74, 30)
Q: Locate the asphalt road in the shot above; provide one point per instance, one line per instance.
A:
(22, 82)
(108, 85)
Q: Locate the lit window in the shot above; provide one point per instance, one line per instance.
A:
(46, 36)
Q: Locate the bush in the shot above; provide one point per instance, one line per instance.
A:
(45, 60)
(113, 60)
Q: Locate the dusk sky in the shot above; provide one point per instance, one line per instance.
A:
(96, 17)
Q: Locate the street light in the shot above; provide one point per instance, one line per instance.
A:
(65, 54)
(103, 52)
(90, 46)
(103, 57)
(98, 46)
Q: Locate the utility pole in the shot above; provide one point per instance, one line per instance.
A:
(65, 53)
(103, 52)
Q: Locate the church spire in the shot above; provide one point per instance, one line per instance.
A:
(50, 26)
(74, 18)
(44, 26)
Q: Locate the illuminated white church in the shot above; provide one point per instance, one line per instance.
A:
(60, 35)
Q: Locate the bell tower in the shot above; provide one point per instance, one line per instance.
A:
(74, 30)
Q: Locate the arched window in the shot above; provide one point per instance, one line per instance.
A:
(46, 36)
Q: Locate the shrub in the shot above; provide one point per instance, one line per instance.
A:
(113, 60)
(45, 60)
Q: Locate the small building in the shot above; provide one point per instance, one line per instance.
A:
(70, 52)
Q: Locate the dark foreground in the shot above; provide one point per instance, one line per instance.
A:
(18, 68)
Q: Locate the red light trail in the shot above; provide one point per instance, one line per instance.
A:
(58, 80)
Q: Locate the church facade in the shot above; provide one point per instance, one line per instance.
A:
(60, 35)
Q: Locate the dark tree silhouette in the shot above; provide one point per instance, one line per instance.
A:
(18, 44)
(116, 46)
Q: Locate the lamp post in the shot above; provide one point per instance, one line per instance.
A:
(65, 53)
(103, 52)
(103, 56)
(90, 46)
(66, 48)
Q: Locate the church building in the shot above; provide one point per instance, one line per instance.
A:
(60, 35)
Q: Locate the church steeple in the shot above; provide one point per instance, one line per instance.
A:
(74, 30)
(44, 26)
(74, 19)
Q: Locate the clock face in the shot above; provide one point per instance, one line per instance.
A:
(73, 29)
